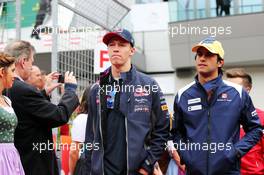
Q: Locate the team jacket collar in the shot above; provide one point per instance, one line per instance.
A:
(212, 84)
(125, 76)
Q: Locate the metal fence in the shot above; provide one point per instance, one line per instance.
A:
(78, 26)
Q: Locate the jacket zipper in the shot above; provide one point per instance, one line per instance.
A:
(208, 137)
(128, 102)
(100, 127)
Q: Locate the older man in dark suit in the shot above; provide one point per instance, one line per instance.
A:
(37, 115)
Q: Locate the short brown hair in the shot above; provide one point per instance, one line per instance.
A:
(6, 60)
(240, 73)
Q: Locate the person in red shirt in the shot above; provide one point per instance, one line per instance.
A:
(253, 162)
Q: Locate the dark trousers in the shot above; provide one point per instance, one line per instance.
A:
(219, 7)
(226, 9)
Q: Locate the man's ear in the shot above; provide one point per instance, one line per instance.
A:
(133, 50)
(248, 89)
(220, 63)
(21, 62)
(2, 71)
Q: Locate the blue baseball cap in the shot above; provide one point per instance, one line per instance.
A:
(121, 33)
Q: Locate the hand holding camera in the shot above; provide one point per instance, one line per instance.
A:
(66, 78)
(50, 85)
(69, 78)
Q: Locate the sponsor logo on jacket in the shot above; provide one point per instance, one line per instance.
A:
(224, 98)
(141, 92)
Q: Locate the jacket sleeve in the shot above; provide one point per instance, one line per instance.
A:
(178, 130)
(43, 111)
(160, 131)
(92, 113)
(251, 125)
(43, 92)
(90, 125)
(261, 117)
(262, 146)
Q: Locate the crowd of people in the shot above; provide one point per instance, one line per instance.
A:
(123, 124)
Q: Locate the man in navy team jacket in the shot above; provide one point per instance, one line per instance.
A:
(128, 114)
(208, 113)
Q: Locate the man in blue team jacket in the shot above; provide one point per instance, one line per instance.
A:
(208, 113)
(128, 118)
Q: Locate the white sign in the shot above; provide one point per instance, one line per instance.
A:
(101, 58)
(150, 17)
